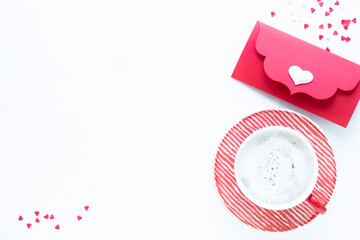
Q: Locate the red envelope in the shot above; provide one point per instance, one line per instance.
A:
(265, 63)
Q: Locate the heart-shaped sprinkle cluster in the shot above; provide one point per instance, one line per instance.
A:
(326, 8)
(48, 217)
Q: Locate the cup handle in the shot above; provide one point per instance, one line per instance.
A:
(316, 204)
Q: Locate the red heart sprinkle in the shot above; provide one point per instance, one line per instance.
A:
(37, 220)
(336, 33)
(306, 26)
(318, 0)
(28, 225)
(337, 2)
(51, 216)
(328, 49)
(321, 37)
(321, 26)
(346, 23)
(20, 218)
(79, 217)
(330, 9)
(86, 208)
(329, 25)
(272, 14)
(327, 13)
(348, 39)
(36, 213)
(46, 216)
(354, 20)
(321, 4)
(312, 10)
(343, 38)
(57, 227)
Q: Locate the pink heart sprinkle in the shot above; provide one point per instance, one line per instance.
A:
(86, 208)
(36, 213)
(336, 33)
(79, 217)
(321, 26)
(348, 39)
(318, 0)
(328, 49)
(337, 2)
(354, 20)
(46, 216)
(28, 225)
(321, 4)
(20, 218)
(306, 26)
(343, 38)
(321, 37)
(346, 23)
(37, 220)
(272, 14)
(57, 227)
(327, 13)
(52, 216)
(329, 25)
(331, 9)
(312, 10)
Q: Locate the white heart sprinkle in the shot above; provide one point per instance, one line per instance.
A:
(300, 76)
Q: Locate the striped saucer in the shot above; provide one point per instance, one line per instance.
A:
(244, 209)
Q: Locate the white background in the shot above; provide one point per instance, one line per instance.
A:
(121, 105)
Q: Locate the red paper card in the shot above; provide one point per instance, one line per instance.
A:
(265, 61)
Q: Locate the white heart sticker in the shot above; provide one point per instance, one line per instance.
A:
(300, 76)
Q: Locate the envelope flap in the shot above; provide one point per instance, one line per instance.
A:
(283, 51)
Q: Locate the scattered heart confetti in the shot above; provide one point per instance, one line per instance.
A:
(327, 13)
(272, 14)
(337, 2)
(336, 33)
(343, 38)
(306, 26)
(312, 10)
(321, 4)
(329, 25)
(348, 39)
(354, 20)
(321, 37)
(331, 9)
(48, 216)
(321, 26)
(328, 49)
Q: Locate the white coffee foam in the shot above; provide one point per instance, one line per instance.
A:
(276, 167)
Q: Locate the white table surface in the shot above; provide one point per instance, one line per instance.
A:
(121, 105)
